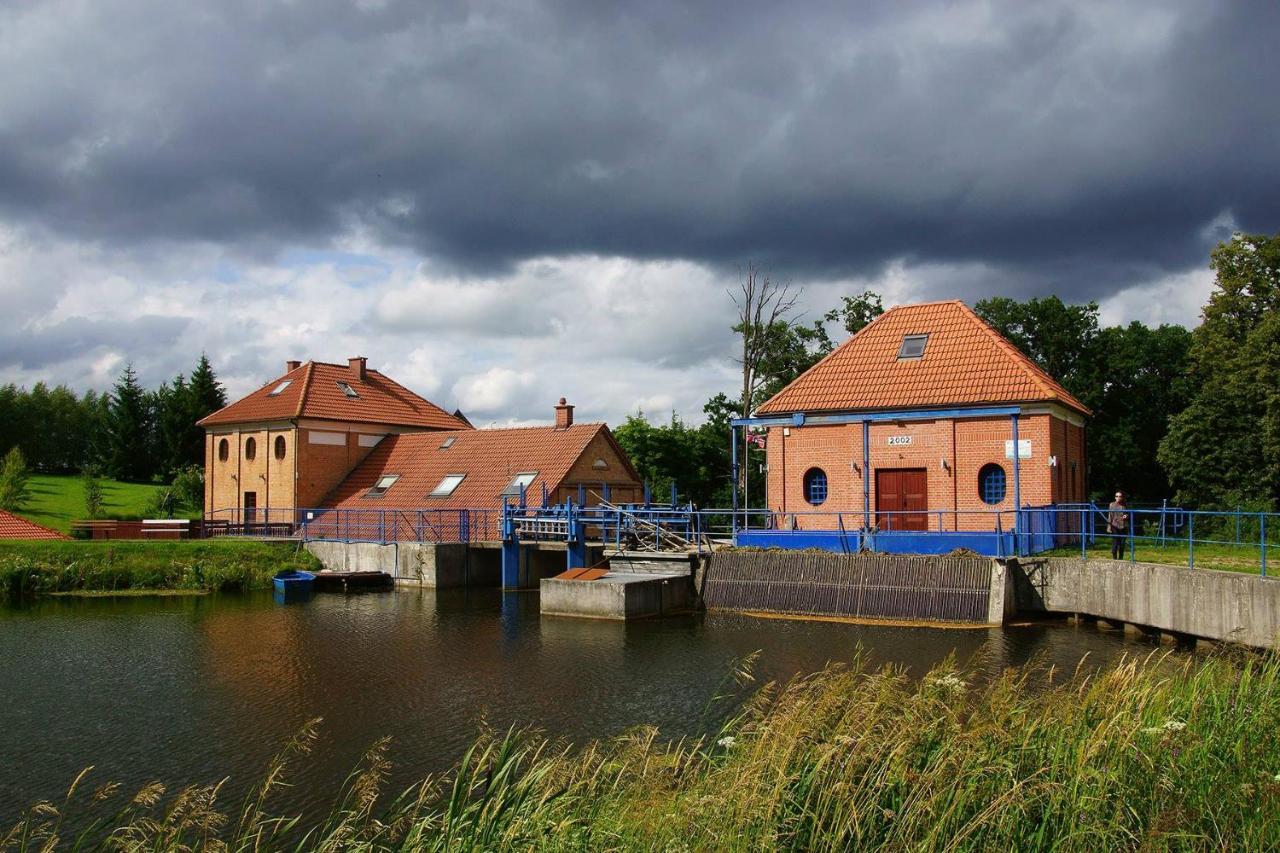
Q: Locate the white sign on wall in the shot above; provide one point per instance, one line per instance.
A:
(1024, 449)
(899, 440)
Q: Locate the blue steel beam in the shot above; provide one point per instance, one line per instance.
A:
(801, 419)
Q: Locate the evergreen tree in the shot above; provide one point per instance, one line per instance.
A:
(130, 430)
(14, 477)
(1223, 450)
(205, 395)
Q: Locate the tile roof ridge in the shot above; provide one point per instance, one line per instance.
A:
(827, 357)
(308, 371)
(1047, 384)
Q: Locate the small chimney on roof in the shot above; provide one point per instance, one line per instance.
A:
(290, 366)
(564, 415)
(356, 365)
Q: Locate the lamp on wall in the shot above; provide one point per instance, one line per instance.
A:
(946, 466)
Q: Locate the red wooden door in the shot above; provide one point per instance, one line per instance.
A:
(902, 499)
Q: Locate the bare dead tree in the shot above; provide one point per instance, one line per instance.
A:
(761, 304)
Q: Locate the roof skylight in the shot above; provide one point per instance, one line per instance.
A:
(448, 485)
(912, 346)
(521, 481)
(448, 442)
(348, 390)
(279, 389)
(380, 488)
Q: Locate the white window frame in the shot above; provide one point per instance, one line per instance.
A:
(923, 338)
(280, 389)
(347, 390)
(447, 486)
(513, 488)
(378, 490)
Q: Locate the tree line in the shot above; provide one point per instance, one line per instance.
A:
(129, 433)
(1189, 416)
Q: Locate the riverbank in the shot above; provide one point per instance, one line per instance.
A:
(1155, 752)
(38, 568)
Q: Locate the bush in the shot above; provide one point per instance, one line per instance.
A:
(93, 499)
(188, 488)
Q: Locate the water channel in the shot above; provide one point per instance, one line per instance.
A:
(194, 689)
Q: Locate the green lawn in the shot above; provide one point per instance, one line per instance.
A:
(1224, 557)
(57, 501)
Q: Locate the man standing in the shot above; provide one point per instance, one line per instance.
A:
(1118, 525)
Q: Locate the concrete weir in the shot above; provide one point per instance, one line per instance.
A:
(637, 585)
(426, 564)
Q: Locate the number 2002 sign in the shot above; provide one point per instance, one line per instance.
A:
(899, 440)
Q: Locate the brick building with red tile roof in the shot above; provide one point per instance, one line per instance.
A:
(911, 424)
(292, 441)
(477, 469)
(13, 527)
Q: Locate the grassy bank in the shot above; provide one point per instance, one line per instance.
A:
(39, 567)
(57, 501)
(1164, 752)
(1227, 557)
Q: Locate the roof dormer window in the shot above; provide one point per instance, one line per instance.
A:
(348, 390)
(912, 347)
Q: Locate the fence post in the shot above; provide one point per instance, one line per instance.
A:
(1132, 521)
(1262, 540)
(1083, 541)
(1191, 539)
(1237, 525)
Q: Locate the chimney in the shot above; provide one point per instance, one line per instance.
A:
(564, 415)
(357, 367)
(290, 366)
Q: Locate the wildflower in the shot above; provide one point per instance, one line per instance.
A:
(726, 741)
(950, 682)
(1276, 778)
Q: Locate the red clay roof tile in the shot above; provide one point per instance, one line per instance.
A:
(13, 527)
(313, 392)
(965, 362)
(490, 459)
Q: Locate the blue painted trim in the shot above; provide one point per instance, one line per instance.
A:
(863, 417)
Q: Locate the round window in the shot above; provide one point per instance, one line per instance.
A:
(815, 486)
(250, 449)
(991, 484)
(279, 446)
(224, 450)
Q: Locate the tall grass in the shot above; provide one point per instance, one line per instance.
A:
(41, 567)
(1153, 753)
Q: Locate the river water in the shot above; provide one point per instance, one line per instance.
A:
(193, 689)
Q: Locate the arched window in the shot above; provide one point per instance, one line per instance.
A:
(815, 486)
(250, 449)
(991, 484)
(279, 446)
(224, 450)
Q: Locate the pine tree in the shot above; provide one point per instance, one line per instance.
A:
(205, 395)
(130, 428)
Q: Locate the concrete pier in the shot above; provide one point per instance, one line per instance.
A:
(1183, 602)
(618, 595)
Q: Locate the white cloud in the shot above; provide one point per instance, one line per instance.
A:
(1177, 298)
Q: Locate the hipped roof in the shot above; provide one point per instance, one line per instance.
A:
(965, 363)
(313, 392)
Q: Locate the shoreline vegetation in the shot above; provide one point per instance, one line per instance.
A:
(29, 569)
(1156, 752)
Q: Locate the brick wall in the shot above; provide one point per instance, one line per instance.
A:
(623, 488)
(965, 444)
(321, 465)
(269, 477)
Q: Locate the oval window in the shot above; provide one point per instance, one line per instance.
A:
(815, 486)
(279, 446)
(224, 450)
(991, 484)
(250, 449)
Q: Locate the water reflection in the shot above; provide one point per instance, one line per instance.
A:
(194, 689)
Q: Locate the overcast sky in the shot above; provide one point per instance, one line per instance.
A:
(503, 203)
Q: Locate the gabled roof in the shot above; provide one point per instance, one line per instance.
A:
(490, 459)
(313, 392)
(13, 527)
(965, 363)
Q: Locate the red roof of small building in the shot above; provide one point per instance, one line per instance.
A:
(313, 392)
(13, 527)
(965, 363)
(489, 459)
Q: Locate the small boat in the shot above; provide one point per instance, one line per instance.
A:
(293, 583)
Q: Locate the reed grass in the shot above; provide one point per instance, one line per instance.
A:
(30, 568)
(1162, 752)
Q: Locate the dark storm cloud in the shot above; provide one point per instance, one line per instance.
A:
(38, 348)
(1068, 145)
